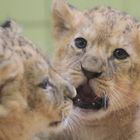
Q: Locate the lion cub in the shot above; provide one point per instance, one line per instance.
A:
(33, 97)
(100, 54)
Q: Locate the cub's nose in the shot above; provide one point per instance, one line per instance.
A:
(90, 74)
(69, 90)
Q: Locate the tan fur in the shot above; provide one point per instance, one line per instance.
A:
(105, 29)
(25, 107)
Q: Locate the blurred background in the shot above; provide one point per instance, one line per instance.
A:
(34, 16)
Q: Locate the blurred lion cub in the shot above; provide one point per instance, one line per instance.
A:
(33, 96)
(99, 52)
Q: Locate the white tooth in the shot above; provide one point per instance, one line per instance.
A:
(78, 100)
(105, 102)
(93, 103)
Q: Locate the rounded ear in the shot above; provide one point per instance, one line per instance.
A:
(9, 61)
(12, 26)
(136, 35)
(65, 18)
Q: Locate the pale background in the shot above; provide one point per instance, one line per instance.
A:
(35, 16)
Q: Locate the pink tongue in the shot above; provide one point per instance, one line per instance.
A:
(86, 94)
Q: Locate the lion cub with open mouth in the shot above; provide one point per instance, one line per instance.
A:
(33, 97)
(100, 54)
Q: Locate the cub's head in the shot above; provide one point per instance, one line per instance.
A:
(29, 86)
(99, 52)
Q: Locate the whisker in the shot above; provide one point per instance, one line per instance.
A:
(124, 91)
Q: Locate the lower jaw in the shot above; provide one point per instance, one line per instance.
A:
(83, 110)
(89, 116)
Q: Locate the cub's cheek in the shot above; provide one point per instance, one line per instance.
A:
(67, 110)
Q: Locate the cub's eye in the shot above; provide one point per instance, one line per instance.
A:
(44, 84)
(120, 54)
(80, 43)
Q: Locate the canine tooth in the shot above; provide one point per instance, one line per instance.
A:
(105, 100)
(78, 100)
(93, 103)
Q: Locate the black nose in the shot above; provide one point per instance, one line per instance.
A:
(90, 74)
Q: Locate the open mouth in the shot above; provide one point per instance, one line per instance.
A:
(87, 99)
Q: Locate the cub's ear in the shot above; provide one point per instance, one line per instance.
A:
(65, 18)
(10, 63)
(12, 26)
(136, 35)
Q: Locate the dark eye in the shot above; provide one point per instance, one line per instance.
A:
(120, 54)
(80, 43)
(44, 84)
